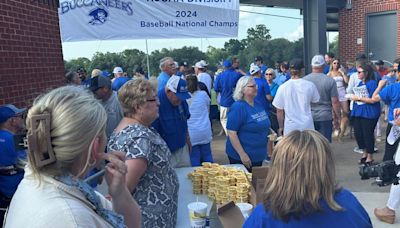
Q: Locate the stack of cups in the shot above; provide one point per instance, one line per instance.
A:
(197, 181)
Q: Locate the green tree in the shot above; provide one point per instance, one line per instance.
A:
(74, 64)
(106, 62)
(234, 46)
(334, 46)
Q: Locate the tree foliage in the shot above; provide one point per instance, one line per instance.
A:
(257, 43)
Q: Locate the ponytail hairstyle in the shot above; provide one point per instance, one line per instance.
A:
(76, 118)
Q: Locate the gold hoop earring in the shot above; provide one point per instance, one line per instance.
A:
(92, 163)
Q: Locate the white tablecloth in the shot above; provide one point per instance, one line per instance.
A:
(186, 195)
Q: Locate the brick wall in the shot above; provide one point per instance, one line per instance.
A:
(352, 25)
(31, 59)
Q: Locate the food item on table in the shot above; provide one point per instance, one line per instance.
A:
(221, 183)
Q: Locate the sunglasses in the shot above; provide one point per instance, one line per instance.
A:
(335, 63)
(268, 74)
(360, 72)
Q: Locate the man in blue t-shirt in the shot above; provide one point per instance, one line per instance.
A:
(172, 121)
(168, 68)
(11, 123)
(263, 96)
(391, 96)
(224, 85)
(119, 79)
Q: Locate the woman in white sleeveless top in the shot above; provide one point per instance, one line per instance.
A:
(341, 79)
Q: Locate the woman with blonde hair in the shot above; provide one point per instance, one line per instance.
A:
(301, 189)
(66, 138)
(248, 126)
(150, 179)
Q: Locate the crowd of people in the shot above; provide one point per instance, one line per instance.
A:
(145, 127)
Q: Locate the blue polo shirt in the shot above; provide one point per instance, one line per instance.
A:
(225, 84)
(172, 122)
(391, 96)
(368, 111)
(119, 82)
(162, 80)
(273, 88)
(353, 215)
(262, 92)
(252, 125)
(8, 157)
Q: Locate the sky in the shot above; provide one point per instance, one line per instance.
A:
(280, 27)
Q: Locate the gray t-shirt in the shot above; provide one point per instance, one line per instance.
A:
(326, 86)
(114, 113)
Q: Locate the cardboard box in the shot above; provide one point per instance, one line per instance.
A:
(229, 214)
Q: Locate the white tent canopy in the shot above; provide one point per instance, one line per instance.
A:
(83, 20)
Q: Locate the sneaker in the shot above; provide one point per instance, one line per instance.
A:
(358, 150)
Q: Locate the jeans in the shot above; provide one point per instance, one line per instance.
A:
(325, 128)
(201, 153)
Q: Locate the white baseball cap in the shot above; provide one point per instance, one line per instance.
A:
(201, 64)
(118, 70)
(317, 61)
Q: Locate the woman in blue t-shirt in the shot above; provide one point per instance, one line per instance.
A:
(248, 126)
(366, 112)
(301, 189)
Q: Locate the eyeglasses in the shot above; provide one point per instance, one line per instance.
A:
(394, 71)
(252, 86)
(360, 72)
(152, 100)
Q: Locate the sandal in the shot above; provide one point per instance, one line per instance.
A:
(369, 163)
(362, 160)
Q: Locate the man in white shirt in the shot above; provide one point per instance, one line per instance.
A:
(202, 75)
(293, 101)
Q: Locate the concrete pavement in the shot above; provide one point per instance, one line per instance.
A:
(346, 163)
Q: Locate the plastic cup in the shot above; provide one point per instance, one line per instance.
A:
(245, 208)
(197, 214)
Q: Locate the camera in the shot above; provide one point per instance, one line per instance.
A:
(385, 173)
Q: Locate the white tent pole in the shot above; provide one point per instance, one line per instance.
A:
(148, 61)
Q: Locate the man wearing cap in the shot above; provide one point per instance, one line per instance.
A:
(168, 68)
(224, 85)
(327, 89)
(11, 123)
(390, 94)
(182, 69)
(259, 62)
(293, 101)
(202, 76)
(263, 96)
(172, 121)
(380, 68)
(101, 87)
(119, 79)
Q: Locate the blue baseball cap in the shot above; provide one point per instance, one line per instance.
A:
(178, 86)
(7, 111)
(228, 63)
